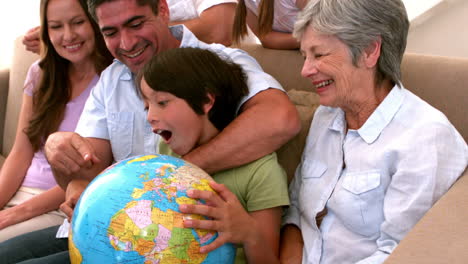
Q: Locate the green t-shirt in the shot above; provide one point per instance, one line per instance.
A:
(258, 185)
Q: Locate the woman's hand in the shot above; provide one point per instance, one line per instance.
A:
(228, 217)
(12, 216)
(37, 205)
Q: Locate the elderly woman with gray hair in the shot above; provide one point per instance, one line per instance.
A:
(377, 156)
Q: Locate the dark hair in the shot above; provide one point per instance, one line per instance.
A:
(191, 74)
(265, 19)
(93, 4)
(54, 91)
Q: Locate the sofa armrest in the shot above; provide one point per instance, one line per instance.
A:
(441, 236)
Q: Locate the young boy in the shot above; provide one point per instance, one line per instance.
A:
(191, 95)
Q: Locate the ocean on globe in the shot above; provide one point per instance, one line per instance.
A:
(130, 214)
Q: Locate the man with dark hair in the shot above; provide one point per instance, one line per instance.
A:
(210, 20)
(113, 124)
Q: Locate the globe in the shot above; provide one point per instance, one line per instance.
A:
(129, 214)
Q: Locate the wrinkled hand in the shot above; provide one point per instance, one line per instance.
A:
(68, 153)
(228, 217)
(31, 40)
(74, 190)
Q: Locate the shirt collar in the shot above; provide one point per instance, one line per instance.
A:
(125, 74)
(185, 36)
(338, 122)
(378, 120)
(382, 115)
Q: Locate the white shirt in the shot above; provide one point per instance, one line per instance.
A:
(115, 112)
(376, 182)
(285, 13)
(180, 10)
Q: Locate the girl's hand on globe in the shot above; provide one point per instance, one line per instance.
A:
(228, 217)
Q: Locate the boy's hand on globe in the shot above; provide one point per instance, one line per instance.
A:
(228, 217)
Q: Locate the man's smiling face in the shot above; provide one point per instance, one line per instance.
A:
(133, 33)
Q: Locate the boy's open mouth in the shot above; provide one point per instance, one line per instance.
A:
(165, 134)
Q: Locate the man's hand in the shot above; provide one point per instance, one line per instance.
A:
(31, 40)
(69, 155)
(74, 190)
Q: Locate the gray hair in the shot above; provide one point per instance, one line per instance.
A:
(358, 23)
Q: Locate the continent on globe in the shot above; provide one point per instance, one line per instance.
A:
(130, 214)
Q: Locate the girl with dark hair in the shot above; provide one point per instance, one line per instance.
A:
(272, 21)
(56, 88)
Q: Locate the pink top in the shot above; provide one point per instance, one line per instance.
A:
(39, 174)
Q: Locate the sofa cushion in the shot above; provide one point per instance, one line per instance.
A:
(290, 154)
(22, 59)
(4, 76)
(2, 160)
(284, 65)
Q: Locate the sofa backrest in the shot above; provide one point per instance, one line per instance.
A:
(440, 81)
(22, 59)
(4, 76)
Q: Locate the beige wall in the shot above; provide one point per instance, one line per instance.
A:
(442, 31)
(16, 17)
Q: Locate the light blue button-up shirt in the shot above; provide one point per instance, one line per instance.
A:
(115, 112)
(376, 182)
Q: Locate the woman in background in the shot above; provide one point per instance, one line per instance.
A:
(56, 88)
(377, 156)
(272, 21)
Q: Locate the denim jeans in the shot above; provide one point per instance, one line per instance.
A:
(36, 247)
